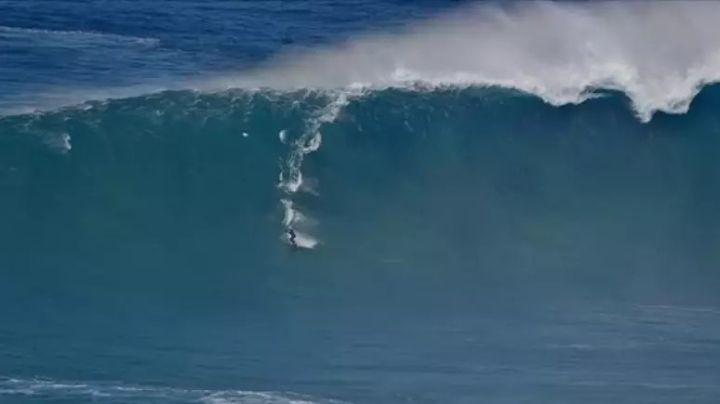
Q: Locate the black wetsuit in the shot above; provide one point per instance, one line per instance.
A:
(292, 236)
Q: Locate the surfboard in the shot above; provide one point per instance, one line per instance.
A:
(302, 240)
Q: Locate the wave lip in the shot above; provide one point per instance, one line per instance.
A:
(658, 53)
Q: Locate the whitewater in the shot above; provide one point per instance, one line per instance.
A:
(660, 54)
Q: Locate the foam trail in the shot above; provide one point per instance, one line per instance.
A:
(291, 176)
(289, 213)
(659, 53)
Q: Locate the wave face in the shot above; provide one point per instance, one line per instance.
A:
(476, 177)
(146, 241)
(147, 237)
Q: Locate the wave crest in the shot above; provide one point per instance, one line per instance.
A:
(659, 53)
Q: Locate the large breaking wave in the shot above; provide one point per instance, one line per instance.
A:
(458, 178)
(660, 54)
(412, 148)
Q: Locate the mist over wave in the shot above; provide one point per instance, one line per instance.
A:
(659, 53)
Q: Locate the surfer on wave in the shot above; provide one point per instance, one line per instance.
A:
(292, 236)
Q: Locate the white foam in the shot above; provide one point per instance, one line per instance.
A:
(249, 398)
(659, 53)
(66, 145)
(291, 177)
(289, 213)
(116, 392)
(303, 240)
(74, 36)
(292, 219)
(60, 142)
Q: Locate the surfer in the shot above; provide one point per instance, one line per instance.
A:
(292, 236)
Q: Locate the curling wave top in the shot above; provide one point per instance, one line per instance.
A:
(659, 53)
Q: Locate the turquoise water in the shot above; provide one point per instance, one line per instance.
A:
(460, 243)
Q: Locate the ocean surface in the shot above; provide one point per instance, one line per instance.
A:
(370, 201)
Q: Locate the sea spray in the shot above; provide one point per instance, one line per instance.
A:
(658, 53)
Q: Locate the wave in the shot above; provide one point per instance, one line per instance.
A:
(659, 53)
(113, 392)
(303, 115)
(70, 37)
(422, 178)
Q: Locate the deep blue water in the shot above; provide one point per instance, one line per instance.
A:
(474, 244)
(52, 47)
